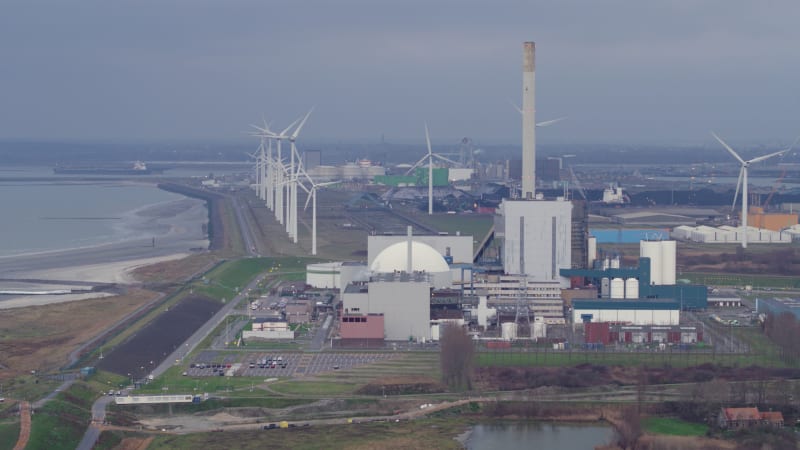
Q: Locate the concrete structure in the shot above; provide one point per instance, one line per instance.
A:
(324, 275)
(268, 324)
(454, 248)
(403, 299)
(541, 298)
(528, 121)
(268, 334)
(611, 333)
(536, 238)
(298, 311)
(635, 312)
(363, 326)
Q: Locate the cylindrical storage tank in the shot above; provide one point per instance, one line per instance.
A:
(652, 250)
(539, 330)
(435, 332)
(606, 263)
(617, 288)
(350, 171)
(508, 331)
(615, 263)
(668, 250)
(592, 251)
(631, 288)
(605, 287)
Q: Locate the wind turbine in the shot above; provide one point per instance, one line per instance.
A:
(743, 180)
(291, 226)
(278, 169)
(430, 171)
(312, 196)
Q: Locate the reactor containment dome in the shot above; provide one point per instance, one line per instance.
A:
(424, 258)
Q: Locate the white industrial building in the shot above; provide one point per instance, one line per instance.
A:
(634, 312)
(335, 275)
(455, 248)
(730, 235)
(537, 239)
(542, 298)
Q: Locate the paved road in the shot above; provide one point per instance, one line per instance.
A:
(244, 227)
(322, 332)
(93, 432)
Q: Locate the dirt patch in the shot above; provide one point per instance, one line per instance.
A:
(148, 347)
(402, 386)
(134, 444)
(170, 271)
(41, 337)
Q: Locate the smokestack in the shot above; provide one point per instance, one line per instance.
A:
(409, 266)
(528, 120)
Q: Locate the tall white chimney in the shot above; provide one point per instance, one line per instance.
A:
(528, 120)
(409, 265)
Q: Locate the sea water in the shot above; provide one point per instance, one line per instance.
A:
(45, 216)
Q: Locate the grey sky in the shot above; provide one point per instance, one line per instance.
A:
(623, 71)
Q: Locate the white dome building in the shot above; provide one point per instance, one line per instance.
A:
(424, 258)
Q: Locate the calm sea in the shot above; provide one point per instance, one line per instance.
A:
(43, 216)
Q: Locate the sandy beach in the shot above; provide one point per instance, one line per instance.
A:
(176, 226)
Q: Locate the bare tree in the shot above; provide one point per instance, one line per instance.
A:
(628, 429)
(456, 357)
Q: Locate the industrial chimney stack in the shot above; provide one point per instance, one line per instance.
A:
(528, 121)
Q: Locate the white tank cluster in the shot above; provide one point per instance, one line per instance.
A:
(662, 256)
(508, 331)
(619, 288)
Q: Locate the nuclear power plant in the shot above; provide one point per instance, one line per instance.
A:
(546, 271)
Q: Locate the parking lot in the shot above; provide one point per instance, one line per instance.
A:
(278, 364)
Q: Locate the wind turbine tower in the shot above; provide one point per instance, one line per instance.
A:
(430, 171)
(528, 121)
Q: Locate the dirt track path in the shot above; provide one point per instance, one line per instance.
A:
(24, 425)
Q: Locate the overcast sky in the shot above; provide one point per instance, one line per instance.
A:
(623, 71)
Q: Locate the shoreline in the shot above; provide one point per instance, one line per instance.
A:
(152, 233)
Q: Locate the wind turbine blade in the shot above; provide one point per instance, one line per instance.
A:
(547, 123)
(428, 139)
(448, 160)
(728, 148)
(738, 185)
(416, 164)
(300, 127)
(762, 158)
(329, 183)
(308, 198)
(291, 125)
(519, 110)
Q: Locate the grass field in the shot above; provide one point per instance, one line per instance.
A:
(675, 427)
(653, 359)
(741, 280)
(9, 432)
(61, 422)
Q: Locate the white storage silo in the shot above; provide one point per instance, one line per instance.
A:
(539, 330)
(631, 288)
(652, 250)
(615, 262)
(508, 331)
(605, 287)
(617, 288)
(592, 251)
(668, 262)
